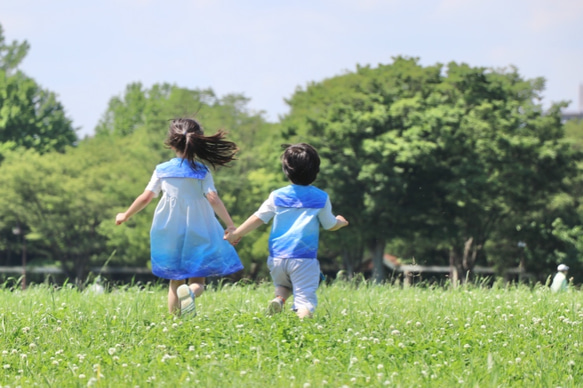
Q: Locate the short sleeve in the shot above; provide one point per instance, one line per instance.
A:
(267, 210)
(327, 219)
(208, 184)
(155, 184)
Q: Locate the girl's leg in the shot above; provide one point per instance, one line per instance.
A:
(173, 304)
(196, 285)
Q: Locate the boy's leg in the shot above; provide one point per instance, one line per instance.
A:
(305, 278)
(281, 282)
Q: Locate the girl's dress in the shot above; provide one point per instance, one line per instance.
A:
(186, 238)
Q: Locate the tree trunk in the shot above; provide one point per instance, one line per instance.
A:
(462, 263)
(379, 271)
(348, 263)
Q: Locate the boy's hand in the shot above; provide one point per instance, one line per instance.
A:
(341, 221)
(229, 236)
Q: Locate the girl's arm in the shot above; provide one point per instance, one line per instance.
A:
(141, 202)
(220, 209)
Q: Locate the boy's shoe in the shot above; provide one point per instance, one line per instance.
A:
(186, 298)
(275, 306)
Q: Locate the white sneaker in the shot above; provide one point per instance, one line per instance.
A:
(186, 298)
(275, 306)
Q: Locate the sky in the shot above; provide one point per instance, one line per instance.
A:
(88, 51)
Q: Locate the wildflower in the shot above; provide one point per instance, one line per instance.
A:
(81, 376)
(6, 366)
(395, 332)
(111, 351)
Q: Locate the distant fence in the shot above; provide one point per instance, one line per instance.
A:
(59, 271)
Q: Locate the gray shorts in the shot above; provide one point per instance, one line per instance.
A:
(302, 276)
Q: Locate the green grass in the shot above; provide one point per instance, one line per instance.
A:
(361, 335)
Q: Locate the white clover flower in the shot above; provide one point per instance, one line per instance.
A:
(395, 332)
(6, 366)
(315, 361)
(81, 376)
(466, 346)
(111, 351)
(380, 366)
(25, 329)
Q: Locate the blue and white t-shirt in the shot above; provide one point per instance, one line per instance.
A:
(297, 212)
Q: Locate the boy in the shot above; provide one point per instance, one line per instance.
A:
(297, 211)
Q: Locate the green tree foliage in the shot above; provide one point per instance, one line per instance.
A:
(30, 117)
(66, 203)
(441, 158)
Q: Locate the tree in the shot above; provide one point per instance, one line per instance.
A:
(30, 116)
(443, 154)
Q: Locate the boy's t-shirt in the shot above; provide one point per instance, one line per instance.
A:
(297, 213)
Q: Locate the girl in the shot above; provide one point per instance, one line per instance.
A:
(186, 239)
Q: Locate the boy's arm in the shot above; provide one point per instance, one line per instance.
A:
(340, 223)
(139, 203)
(249, 225)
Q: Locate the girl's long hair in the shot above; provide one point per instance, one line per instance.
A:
(187, 137)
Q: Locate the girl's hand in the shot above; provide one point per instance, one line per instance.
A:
(120, 218)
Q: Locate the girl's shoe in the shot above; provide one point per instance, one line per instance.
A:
(186, 298)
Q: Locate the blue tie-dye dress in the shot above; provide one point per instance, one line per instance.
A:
(186, 238)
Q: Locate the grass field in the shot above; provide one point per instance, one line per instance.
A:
(362, 335)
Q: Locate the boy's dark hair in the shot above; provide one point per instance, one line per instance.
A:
(187, 137)
(300, 163)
